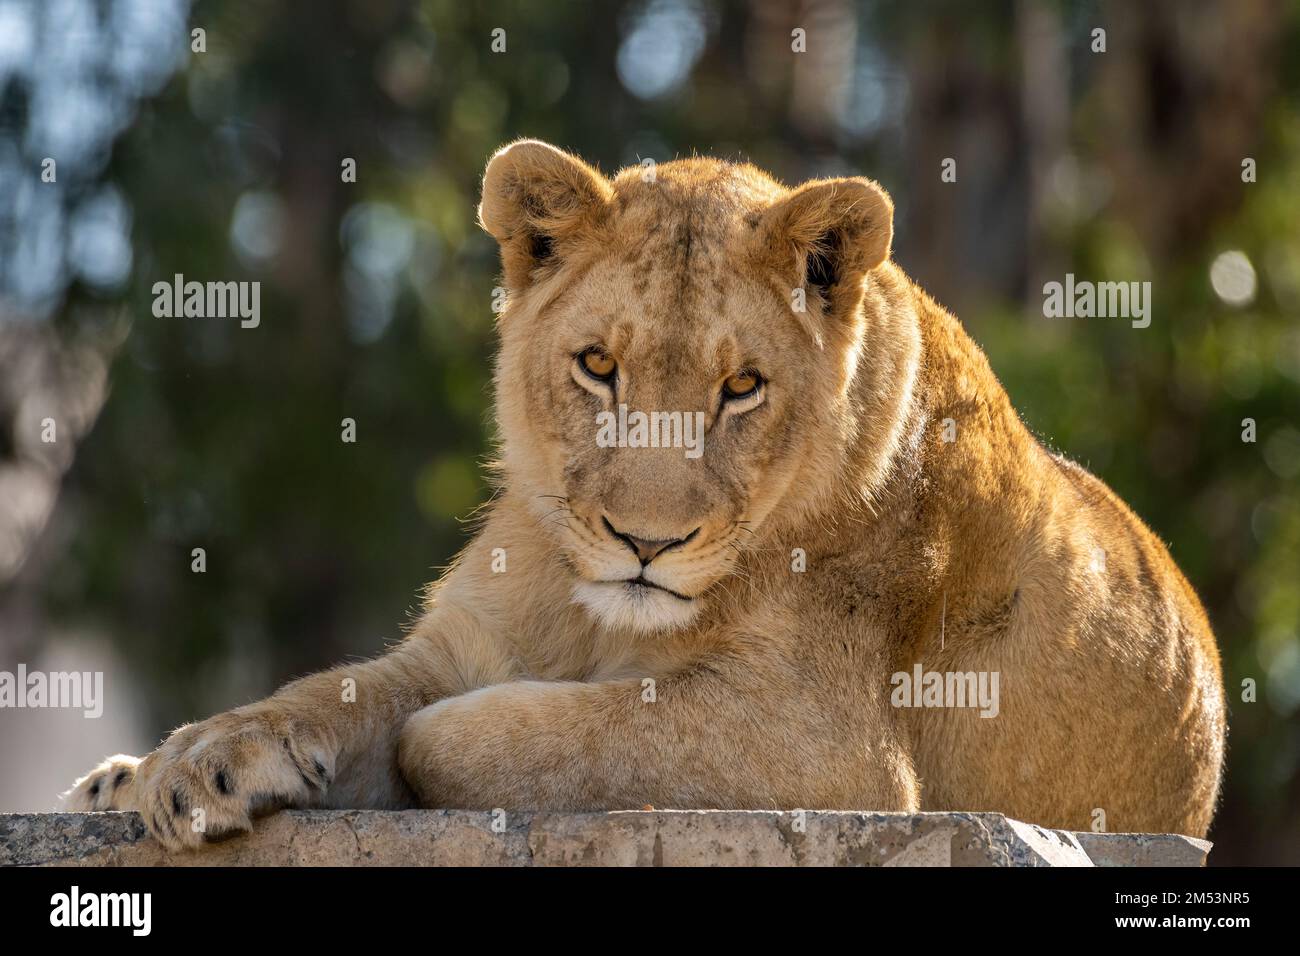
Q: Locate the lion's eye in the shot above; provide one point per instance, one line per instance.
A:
(742, 384)
(599, 365)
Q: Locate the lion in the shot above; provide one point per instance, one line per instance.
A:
(773, 622)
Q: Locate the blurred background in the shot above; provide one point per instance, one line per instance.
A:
(225, 164)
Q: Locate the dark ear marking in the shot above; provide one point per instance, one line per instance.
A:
(539, 244)
(541, 247)
(823, 259)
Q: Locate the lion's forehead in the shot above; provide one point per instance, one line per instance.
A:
(679, 266)
(678, 270)
(682, 305)
(693, 204)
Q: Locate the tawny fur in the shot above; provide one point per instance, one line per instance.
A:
(539, 686)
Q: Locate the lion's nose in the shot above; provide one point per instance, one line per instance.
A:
(647, 549)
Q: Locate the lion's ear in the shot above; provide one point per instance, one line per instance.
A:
(826, 235)
(537, 202)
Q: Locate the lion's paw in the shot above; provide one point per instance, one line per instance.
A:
(208, 780)
(110, 786)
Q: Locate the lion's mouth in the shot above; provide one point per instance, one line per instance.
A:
(635, 584)
(636, 603)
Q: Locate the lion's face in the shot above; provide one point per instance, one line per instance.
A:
(659, 389)
(617, 368)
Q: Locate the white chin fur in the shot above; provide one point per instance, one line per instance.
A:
(616, 605)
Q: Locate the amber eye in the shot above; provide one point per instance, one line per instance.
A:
(741, 385)
(599, 365)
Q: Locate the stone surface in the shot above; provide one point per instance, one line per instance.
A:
(628, 838)
(1144, 849)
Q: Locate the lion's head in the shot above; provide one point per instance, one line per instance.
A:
(677, 348)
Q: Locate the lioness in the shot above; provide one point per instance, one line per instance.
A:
(739, 628)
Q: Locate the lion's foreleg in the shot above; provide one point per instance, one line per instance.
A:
(687, 742)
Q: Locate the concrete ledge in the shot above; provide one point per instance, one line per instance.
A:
(626, 838)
